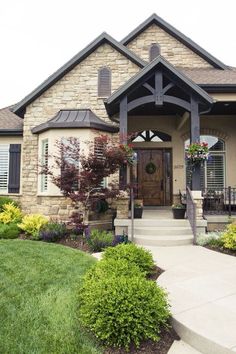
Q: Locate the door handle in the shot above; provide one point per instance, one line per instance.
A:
(162, 185)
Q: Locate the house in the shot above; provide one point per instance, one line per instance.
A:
(157, 84)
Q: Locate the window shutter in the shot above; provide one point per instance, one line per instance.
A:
(44, 177)
(14, 168)
(215, 171)
(104, 82)
(4, 169)
(154, 51)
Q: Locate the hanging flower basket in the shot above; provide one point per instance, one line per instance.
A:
(197, 153)
(129, 153)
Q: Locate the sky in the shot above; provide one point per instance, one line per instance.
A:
(37, 37)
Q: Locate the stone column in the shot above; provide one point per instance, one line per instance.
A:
(201, 223)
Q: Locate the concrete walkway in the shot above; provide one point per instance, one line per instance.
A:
(202, 291)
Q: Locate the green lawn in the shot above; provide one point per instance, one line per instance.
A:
(39, 283)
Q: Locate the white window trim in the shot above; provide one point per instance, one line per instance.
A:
(7, 147)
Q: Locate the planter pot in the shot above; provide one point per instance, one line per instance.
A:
(178, 213)
(138, 212)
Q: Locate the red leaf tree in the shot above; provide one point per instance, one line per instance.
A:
(80, 175)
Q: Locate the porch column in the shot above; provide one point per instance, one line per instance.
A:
(195, 138)
(123, 138)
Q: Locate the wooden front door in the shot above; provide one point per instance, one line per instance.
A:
(154, 177)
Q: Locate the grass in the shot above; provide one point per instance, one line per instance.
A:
(39, 283)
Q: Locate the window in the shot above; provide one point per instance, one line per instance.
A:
(10, 158)
(151, 135)
(4, 167)
(98, 152)
(104, 82)
(44, 158)
(213, 170)
(70, 157)
(154, 51)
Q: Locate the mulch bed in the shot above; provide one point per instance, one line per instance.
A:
(77, 243)
(221, 250)
(168, 336)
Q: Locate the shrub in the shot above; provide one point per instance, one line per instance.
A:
(133, 254)
(113, 267)
(32, 224)
(211, 238)
(99, 239)
(9, 231)
(7, 200)
(10, 214)
(123, 310)
(229, 237)
(52, 232)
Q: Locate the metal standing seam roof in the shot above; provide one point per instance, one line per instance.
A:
(10, 123)
(75, 118)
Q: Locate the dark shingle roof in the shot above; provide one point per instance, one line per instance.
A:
(210, 76)
(75, 118)
(10, 123)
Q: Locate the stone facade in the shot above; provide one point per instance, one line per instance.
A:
(171, 49)
(77, 89)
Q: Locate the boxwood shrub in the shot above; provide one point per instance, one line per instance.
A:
(120, 310)
(133, 254)
(9, 231)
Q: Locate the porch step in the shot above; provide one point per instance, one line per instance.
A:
(161, 222)
(166, 240)
(163, 231)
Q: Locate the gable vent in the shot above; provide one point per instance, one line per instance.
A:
(104, 82)
(154, 51)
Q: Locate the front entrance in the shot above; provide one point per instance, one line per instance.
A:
(154, 176)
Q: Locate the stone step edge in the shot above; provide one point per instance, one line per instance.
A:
(197, 341)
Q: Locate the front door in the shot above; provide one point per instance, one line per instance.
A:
(154, 176)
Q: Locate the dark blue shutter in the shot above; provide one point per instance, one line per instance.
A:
(14, 168)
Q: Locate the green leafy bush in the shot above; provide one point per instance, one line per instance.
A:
(32, 224)
(113, 267)
(99, 239)
(229, 237)
(133, 254)
(123, 310)
(9, 231)
(10, 214)
(7, 200)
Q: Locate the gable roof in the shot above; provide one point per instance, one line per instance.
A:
(10, 123)
(154, 19)
(75, 118)
(103, 38)
(137, 79)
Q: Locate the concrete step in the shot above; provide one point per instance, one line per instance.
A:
(202, 343)
(180, 347)
(162, 231)
(160, 222)
(167, 240)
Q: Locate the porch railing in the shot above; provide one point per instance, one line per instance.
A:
(219, 201)
(191, 212)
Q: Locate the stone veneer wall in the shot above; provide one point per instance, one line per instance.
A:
(171, 49)
(77, 89)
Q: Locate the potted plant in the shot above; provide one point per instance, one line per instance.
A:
(178, 211)
(138, 209)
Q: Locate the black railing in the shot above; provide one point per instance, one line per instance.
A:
(219, 201)
(191, 212)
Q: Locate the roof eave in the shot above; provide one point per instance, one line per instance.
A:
(176, 34)
(103, 38)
